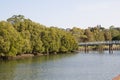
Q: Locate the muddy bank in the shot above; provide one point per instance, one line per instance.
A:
(22, 56)
(28, 55)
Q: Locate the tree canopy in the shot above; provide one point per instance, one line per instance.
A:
(97, 33)
(19, 35)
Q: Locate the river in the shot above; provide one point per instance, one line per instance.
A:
(79, 66)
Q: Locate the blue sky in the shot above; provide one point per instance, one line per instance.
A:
(65, 13)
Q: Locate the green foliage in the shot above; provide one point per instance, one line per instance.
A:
(97, 33)
(20, 36)
(89, 34)
(10, 40)
(107, 35)
(114, 32)
(116, 37)
(78, 34)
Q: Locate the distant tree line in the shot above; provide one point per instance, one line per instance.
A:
(19, 35)
(96, 33)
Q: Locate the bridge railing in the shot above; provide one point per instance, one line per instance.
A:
(99, 43)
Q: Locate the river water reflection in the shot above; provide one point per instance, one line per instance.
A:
(81, 66)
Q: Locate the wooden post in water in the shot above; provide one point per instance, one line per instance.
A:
(86, 48)
(110, 48)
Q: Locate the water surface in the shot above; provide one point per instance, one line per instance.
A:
(81, 66)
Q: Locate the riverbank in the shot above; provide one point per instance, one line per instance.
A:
(89, 48)
(28, 55)
(22, 56)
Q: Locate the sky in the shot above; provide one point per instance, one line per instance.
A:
(64, 13)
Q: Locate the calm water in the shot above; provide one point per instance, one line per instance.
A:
(82, 66)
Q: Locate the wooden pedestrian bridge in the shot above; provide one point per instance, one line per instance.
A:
(97, 43)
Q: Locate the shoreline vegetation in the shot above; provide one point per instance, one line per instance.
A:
(21, 37)
(27, 55)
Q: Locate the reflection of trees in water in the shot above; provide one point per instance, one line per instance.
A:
(7, 70)
(28, 69)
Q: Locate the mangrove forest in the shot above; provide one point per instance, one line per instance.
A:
(19, 35)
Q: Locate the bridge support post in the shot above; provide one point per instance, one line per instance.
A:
(86, 48)
(110, 48)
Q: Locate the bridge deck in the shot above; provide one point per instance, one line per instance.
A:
(99, 43)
